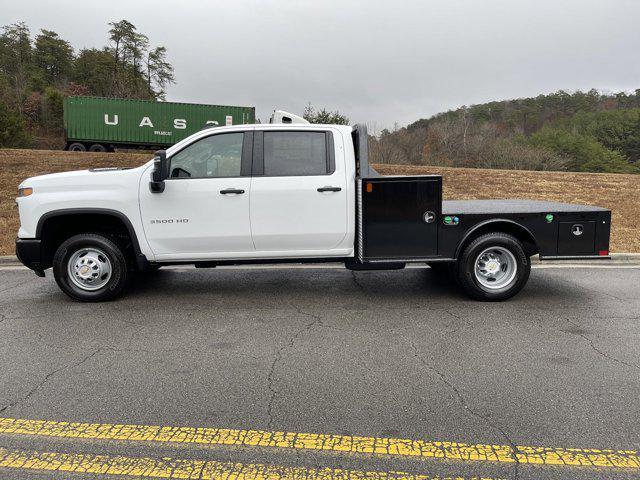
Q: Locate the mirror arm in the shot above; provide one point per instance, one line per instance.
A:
(156, 187)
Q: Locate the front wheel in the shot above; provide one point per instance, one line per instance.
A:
(91, 268)
(493, 267)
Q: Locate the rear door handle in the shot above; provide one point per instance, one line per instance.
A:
(231, 190)
(329, 189)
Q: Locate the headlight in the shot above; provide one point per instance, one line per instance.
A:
(25, 191)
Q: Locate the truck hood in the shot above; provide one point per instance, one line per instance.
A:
(80, 178)
(104, 189)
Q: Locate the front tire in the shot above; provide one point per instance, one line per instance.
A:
(91, 268)
(493, 267)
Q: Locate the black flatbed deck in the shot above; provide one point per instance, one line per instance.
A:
(403, 219)
(515, 206)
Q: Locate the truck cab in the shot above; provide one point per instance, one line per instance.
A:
(284, 193)
(266, 192)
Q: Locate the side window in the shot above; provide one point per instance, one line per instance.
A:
(295, 153)
(215, 156)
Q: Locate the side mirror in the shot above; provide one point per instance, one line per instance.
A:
(160, 172)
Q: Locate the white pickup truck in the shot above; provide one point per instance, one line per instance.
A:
(284, 193)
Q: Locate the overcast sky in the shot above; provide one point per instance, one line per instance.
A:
(377, 61)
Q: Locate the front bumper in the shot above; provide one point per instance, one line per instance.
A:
(29, 252)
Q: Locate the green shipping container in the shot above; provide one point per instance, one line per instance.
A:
(113, 122)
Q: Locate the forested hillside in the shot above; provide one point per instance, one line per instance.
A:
(585, 132)
(589, 132)
(37, 72)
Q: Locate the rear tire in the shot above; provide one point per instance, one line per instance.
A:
(91, 268)
(97, 147)
(493, 267)
(77, 147)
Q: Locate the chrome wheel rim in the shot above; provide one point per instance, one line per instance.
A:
(495, 268)
(89, 269)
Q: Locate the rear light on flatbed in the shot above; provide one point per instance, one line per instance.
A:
(603, 253)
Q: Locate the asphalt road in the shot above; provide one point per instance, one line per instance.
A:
(306, 350)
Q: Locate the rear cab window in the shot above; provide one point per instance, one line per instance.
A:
(294, 153)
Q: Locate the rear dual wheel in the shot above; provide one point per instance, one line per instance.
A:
(493, 267)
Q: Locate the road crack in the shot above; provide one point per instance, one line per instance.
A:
(465, 406)
(460, 322)
(595, 348)
(316, 320)
(137, 329)
(47, 377)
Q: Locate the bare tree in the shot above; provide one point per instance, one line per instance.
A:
(119, 34)
(159, 72)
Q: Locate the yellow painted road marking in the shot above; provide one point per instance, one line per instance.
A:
(325, 442)
(181, 468)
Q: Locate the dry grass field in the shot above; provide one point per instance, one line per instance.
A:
(620, 193)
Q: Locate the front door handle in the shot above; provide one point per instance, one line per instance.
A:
(231, 190)
(329, 189)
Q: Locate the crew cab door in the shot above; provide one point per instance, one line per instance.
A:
(204, 209)
(298, 193)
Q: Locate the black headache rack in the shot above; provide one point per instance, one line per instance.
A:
(396, 216)
(401, 219)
